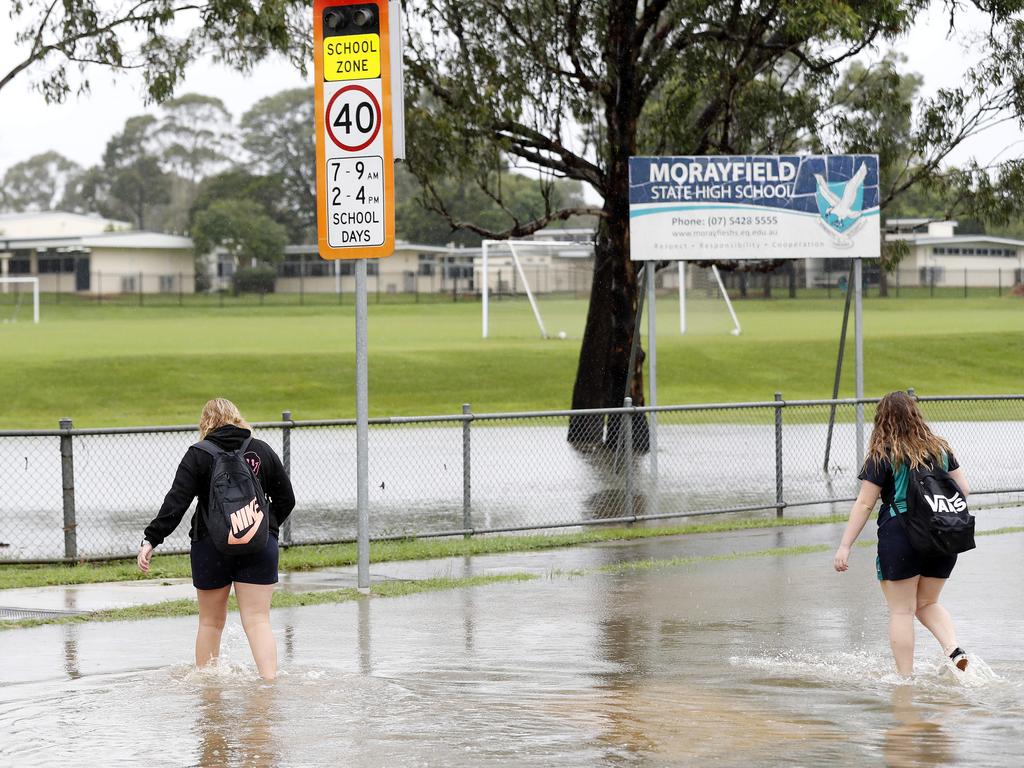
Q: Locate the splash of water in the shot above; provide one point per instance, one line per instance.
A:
(869, 668)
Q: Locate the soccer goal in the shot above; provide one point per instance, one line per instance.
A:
(12, 294)
(536, 270)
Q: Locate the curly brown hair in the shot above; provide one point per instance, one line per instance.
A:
(901, 434)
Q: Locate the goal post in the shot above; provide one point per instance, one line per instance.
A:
(511, 253)
(6, 282)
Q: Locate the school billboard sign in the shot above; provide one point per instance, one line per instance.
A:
(754, 207)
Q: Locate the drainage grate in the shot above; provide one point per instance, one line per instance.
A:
(13, 614)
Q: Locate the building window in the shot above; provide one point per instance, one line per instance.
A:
(51, 265)
(19, 265)
(931, 275)
(938, 251)
(968, 251)
(167, 283)
(372, 267)
(129, 284)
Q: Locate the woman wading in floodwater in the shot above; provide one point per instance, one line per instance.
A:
(911, 582)
(213, 572)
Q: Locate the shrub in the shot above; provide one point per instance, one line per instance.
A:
(254, 280)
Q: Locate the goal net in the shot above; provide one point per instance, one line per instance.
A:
(531, 287)
(19, 299)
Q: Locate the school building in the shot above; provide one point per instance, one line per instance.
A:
(88, 254)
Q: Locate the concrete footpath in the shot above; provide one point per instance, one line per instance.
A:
(86, 598)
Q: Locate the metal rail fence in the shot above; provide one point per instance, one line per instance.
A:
(78, 494)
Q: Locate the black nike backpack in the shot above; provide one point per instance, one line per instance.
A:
(237, 515)
(937, 521)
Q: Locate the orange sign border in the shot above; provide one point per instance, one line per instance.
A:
(358, 252)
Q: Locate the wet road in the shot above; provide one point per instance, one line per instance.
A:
(758, 660)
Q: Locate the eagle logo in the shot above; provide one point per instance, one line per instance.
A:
(840, 204)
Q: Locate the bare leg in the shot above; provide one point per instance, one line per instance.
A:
(902, 599)
(933, 615)
(213, 611)
(254, 606)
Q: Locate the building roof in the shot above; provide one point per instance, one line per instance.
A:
(57, 224)
(132, 240)
(961, 239)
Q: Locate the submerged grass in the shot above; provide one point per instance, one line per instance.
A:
(386, 589)
(311, 557)
(187, 607)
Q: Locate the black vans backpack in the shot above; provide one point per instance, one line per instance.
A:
(237, 515)
(937, 521)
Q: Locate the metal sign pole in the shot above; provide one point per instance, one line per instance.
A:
(484, 286)
(839, 369)
(858, 325)
(652, 373)
(362, 432)
(682, 297)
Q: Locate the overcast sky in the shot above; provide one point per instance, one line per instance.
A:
(80, 128)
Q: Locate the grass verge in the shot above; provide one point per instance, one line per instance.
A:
(188, 607)
(307, 558)
(175, 608)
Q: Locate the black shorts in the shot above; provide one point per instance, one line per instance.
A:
(897, 559)
(211, 569)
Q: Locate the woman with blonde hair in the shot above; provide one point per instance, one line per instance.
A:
(911, 581)
(213, 572)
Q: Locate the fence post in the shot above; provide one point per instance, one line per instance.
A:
(627, 457)
(67, 473)
(1000, 289)
(467, 497)
(897, 281)
(140, 289)
(965, 282)
(911, 392)
(779, 503)
(286, 460)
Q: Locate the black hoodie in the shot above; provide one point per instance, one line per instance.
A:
(193, 480)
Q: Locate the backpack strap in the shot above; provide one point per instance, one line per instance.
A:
(208, 447)
(245, 444)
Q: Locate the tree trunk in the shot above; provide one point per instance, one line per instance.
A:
(601, 374)
(768, 284)
(604, 354)
(608, 335)
(883, 281)
(743, 284)
(792, 279)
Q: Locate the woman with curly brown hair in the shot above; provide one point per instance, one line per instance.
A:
(911, 581)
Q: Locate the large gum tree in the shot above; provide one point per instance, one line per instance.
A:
(573, 88)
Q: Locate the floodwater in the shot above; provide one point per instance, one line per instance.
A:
(758, 661)
(521, 475)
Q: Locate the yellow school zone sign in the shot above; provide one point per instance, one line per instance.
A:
(352, 58)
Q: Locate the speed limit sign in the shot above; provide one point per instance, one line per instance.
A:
(353, 118)
(355, 163)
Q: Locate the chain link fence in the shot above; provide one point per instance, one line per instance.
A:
(71, 494)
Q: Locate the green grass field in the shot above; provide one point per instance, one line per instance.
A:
(129, 365)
